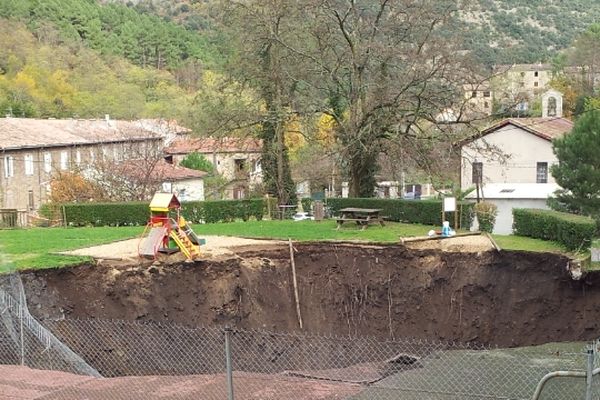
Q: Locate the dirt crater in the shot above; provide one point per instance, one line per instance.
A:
(499, 298)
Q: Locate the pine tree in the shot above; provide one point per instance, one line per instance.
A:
(578, 171)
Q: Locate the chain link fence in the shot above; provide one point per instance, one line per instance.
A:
(151, 361)
(98, 359)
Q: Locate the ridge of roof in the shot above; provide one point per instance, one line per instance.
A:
(546, 128)
(23, 133)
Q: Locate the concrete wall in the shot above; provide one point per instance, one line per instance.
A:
(186, 190)
(509, 155)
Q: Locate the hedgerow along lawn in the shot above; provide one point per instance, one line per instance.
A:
(35, 248)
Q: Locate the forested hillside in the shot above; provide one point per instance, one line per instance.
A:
(142, 38)
(497, 31)
(39, 79)
(526, 31)
(77, 58)
(146, 57)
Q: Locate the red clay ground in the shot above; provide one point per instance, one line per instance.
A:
(22, 383)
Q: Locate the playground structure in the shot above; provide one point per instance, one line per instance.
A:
(167, 231)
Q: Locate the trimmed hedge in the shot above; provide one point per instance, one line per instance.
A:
(101, 214)
(573, 231)
(426, 212)
(138, 213)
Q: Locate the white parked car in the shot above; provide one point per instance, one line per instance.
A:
(302, 216)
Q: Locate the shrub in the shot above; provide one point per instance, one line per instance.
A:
(427, 212)
(573, 231)
(101, 214)
(138, 213)
(306, 204)
(486, 215)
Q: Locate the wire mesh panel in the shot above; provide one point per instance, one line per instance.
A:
(97, 359)
(147, 361)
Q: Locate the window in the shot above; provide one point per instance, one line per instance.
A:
(477, 172)
(240, 164)
(31, 201)
(536, 74)
(64, 160)
(486, 104)
(536, 84)
(523, 106)
(473, 94)
(487, 93)
(523, 74)
(47, 162)
(9, 167)
(28, 164)
(542, 172)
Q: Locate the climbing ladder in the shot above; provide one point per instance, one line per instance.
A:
(188, 248)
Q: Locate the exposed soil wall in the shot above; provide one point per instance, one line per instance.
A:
(507, 298)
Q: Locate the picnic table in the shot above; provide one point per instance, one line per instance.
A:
(362, 216)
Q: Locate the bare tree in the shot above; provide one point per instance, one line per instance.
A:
(134, 174)
(383, 70)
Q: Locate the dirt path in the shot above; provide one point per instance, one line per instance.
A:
(215, 246)
(22, 383)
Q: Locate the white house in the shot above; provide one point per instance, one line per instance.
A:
(507, 196)
(511, 162)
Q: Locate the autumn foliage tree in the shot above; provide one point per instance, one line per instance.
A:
(66, 187)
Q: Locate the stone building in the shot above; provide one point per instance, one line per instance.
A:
(238, 160)
(32, 151)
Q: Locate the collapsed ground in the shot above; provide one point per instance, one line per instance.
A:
(503, 298)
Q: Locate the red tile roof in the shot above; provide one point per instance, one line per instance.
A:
(545, 128)
(160, 171)
(215, 145)
(19, 133)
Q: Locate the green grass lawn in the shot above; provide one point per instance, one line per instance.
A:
(32, 248)
(511, 242)
(311, 230)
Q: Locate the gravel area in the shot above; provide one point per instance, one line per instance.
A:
(466, 244)
(128, 249)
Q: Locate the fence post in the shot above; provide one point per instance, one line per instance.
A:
(228, 363)
(22, 338)
(589, 377)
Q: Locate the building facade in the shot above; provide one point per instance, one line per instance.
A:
(237, 160)
(509, 164)
(33, 151)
